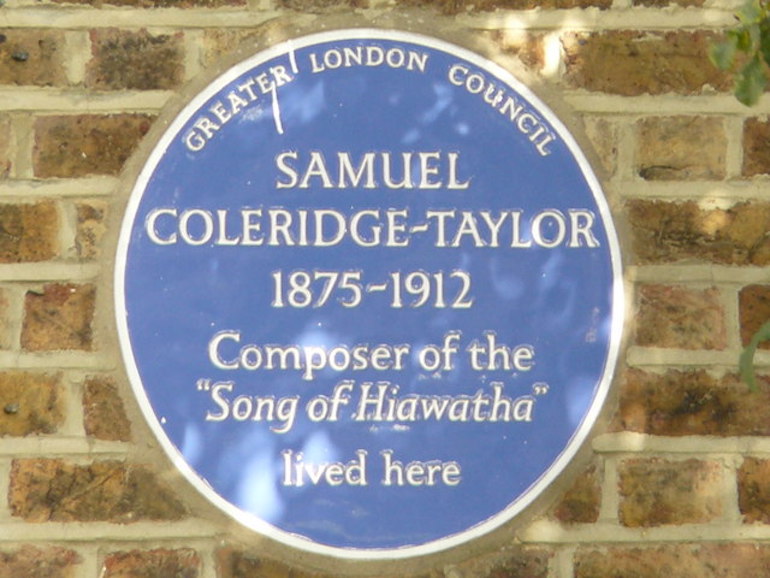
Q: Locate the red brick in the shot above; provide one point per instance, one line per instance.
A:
(655, 492)
(754, 490)
(32, 57)
(160, 563)
(678, 317)
(59, 318)
(30, 403)
(135, 60)
(52, 490)
(581, 503)
(82, 145)
(666, 232)
(729, 560)
(632, 63)
(682, 403)
(35, 562)
(756, 153)
(681, 148)
(28, 232)
(103, 413)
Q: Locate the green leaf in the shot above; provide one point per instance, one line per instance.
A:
(746, 361)
(742, 38)
(751, 12)
(722, 55)
(764, 43)
(750, 83)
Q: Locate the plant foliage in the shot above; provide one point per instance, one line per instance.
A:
(746, 50)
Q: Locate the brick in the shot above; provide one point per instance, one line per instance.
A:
(531, 562)
(59, 318)
(52, 490)
(321, 5)
(693, 402)
(664, 3)
(30, 403)
(681, 148)
(91, 227)
(754, 490)
(104, 416)
(158, 3)
(632, 63)
(6, 149)
(32, 57)
(730, 560)
(655, 492)
(528, 48)
(457, 6)
(160, 563)
(218, 43)
(135, 60)
(603, 135)
(82, 145)
(7, 326)
(232, 563)
(754, 311)
(678, 317)
(581, 503)
(666, 232)
(756, 153)
(34, 562)
(28, 232)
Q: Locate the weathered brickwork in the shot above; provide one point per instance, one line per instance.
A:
(756, 157)
(32, 57)
(457, 6)
(693, 402)
(685, 561)
(28, 232)
(157, 3)
(82, 145)
(59, 317)
(754, 303)
(104, 416)
(183, 563)
(632, 63)
(681, 148)
(582, 502)
(32, 403)
(679, 317)
(674, 482)
(655, 492)
(44, 490)
(135, 60)
(754, 490)
(47, 562)
(667, 232)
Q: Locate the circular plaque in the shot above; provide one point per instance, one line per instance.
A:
(368, 292)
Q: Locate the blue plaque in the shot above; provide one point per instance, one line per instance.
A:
(369, 295)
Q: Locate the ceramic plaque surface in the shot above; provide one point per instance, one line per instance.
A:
(368, 294)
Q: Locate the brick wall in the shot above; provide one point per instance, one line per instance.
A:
(677, 482)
